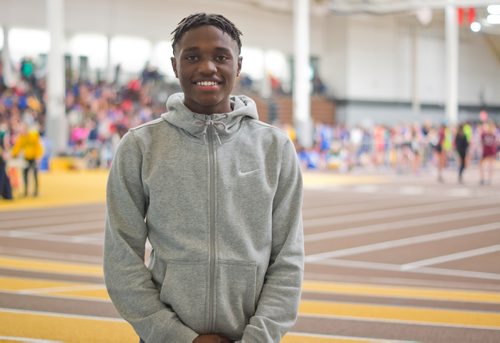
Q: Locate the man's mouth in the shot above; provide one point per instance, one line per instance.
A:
(207, 83)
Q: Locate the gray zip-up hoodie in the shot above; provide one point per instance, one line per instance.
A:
(219, 197)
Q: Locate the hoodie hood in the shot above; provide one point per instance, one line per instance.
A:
(195, 124)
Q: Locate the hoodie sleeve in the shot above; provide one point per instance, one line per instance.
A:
(279, 300)
(128, 281)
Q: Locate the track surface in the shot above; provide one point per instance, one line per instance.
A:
(389, 258)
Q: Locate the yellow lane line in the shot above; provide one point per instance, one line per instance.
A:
(321, 179)
(297, 337)
(38, 265)
(95, 329)
(302, 339)
(57, 267)
(59, 188)
(98, 294)
(62, 188)
(401, 292)
(412, 315)
(25, 284)
(65, 289)
(374, 312)
(8, 339)
(65, 328)
(74, 328)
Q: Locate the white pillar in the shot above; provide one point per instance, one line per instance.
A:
(56, 117)
(451, 64)
(265, 88)
(415, 74)
(109, 66)
(301, 87)
(8, 76)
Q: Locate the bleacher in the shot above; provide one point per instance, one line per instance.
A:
(322, 109)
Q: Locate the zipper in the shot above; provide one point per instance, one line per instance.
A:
(212, 257)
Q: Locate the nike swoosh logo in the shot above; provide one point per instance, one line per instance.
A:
(245, 173)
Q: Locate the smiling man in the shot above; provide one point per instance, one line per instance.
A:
(218, 194)
(206, 62)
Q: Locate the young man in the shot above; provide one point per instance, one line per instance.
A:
(218, 194)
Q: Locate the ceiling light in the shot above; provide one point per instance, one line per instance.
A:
(494, 9)
(493, 19)
(475, 26)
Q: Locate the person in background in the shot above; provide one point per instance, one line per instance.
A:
(5, 186)
(218, 193)
(441, 151)
(489, 143)
(461, 147)
(29, 144)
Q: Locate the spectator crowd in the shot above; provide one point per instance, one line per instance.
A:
(99, 113)
(405, 148)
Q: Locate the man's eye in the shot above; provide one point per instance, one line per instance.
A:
(221, 58)
(191, 58)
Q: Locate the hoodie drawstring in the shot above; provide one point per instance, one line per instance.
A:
(217, 124)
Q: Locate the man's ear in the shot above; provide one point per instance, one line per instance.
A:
(174, 66)
(240, 60)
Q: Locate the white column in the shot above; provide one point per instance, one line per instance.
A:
(265, 88)
(301, 87)
(451, 64)
(415, 74)
(8, 76)
(56, 118)
(109, 66)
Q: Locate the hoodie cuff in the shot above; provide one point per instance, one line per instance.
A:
(185, 334)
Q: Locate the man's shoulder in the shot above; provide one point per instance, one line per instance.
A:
(257, 124)
(148, 125)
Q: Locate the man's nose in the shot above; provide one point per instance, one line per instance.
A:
(208, 66)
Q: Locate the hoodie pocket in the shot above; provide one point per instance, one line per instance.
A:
(236, 288)
(184, 290)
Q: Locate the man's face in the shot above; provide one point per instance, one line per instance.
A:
(206, 62)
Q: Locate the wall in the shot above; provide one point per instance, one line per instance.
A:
(334, 62)
(370, 63)
(362, 58)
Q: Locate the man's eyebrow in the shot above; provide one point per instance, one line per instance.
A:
(218, 49)
(224, 49)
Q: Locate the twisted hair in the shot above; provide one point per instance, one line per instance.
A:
(199, 19)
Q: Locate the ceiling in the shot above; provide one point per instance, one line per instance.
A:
(491, 33)
(406, 9)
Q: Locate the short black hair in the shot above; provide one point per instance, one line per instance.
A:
(199, 19)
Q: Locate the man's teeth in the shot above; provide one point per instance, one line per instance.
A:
(206, 83)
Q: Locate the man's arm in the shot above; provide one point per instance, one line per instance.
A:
(279, 300)
(127, 279)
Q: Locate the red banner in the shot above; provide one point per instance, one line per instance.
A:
(471, 15)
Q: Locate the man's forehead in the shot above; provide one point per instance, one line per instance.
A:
(197, 36)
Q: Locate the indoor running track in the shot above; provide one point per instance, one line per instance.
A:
(389, 259)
